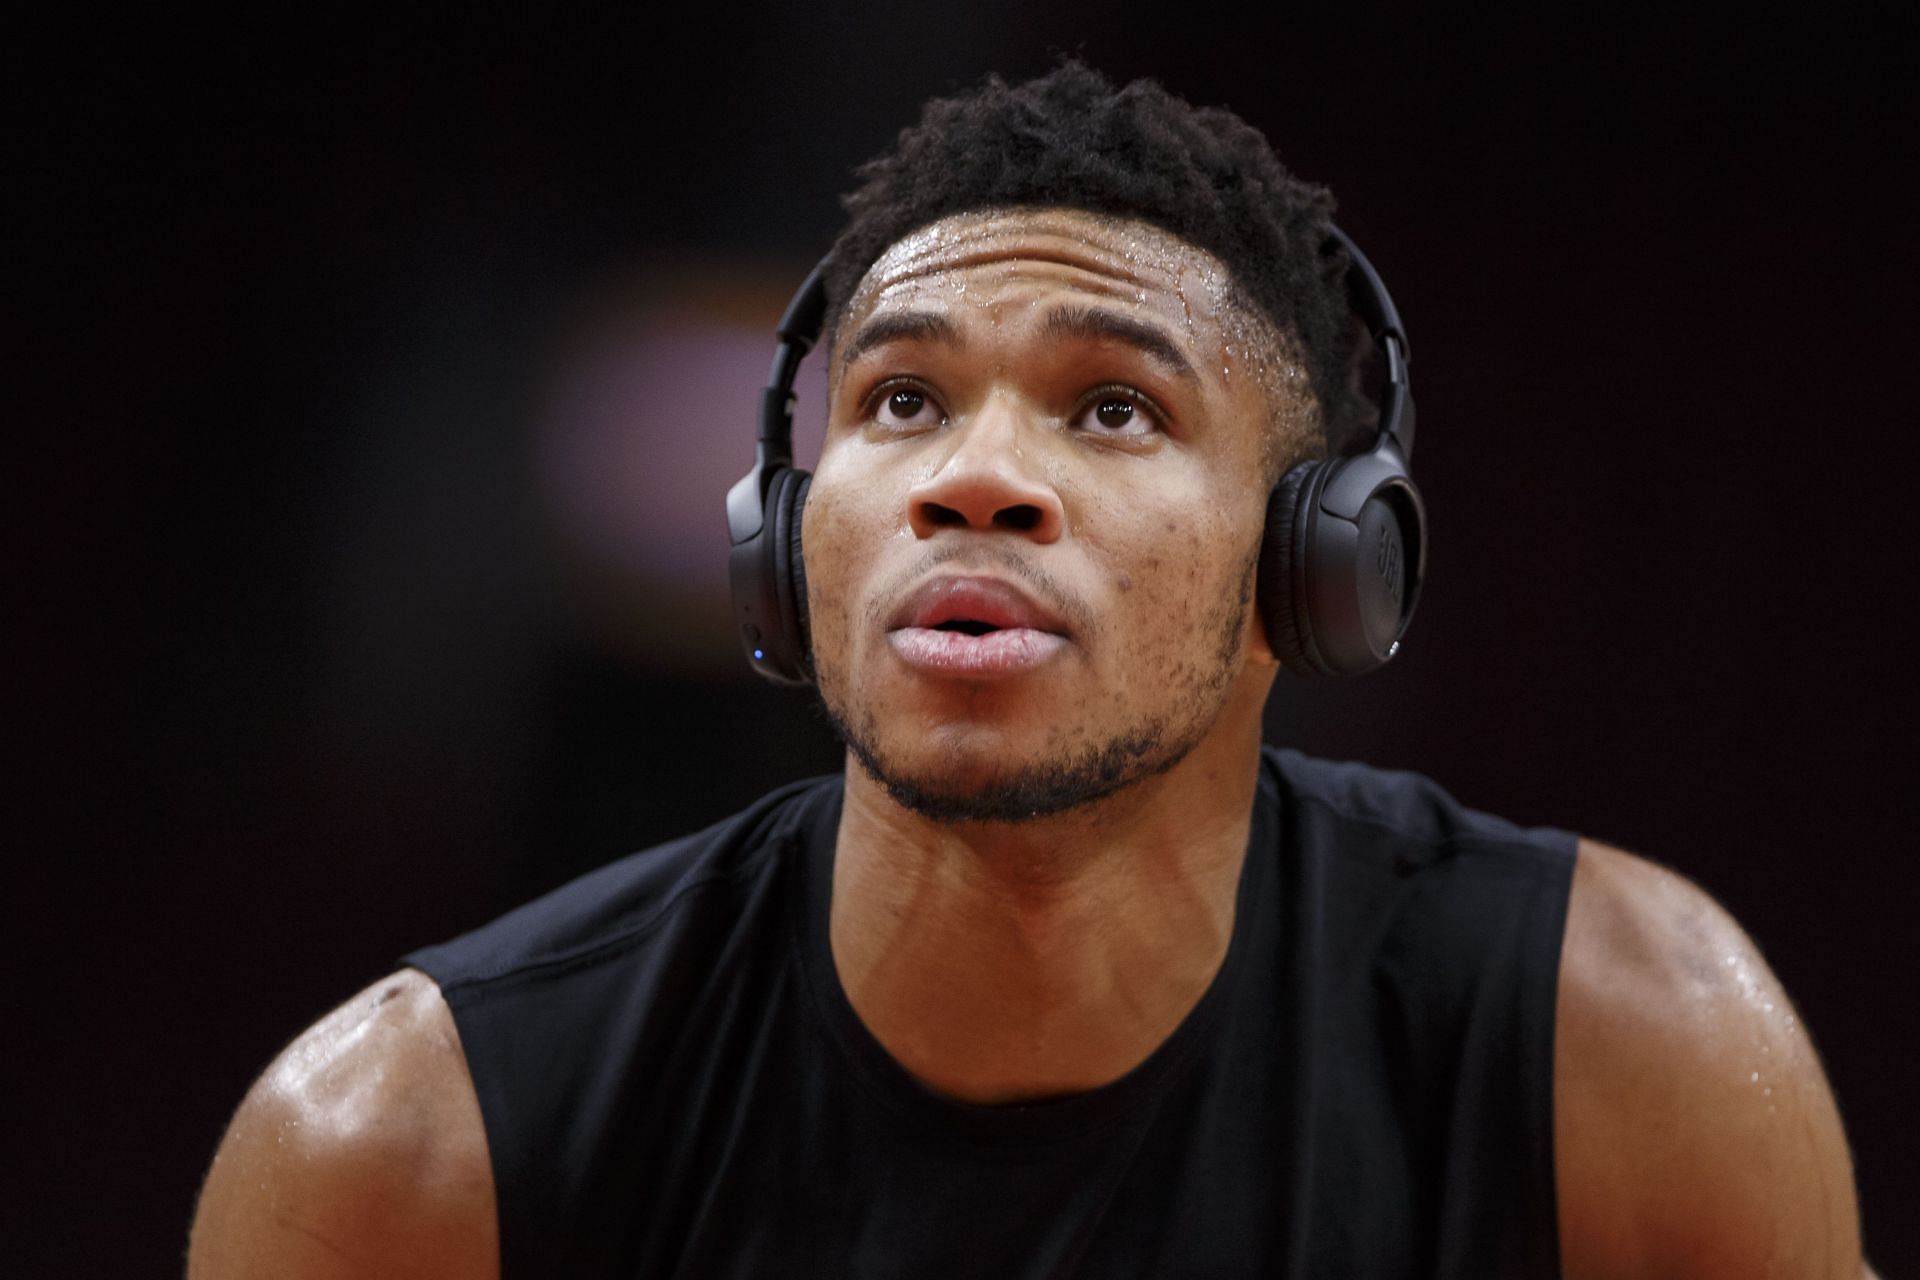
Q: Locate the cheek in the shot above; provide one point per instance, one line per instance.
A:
(841, 531)
(822, 543)
(1178, 584)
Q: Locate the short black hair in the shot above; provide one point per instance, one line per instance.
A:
(1069, 139)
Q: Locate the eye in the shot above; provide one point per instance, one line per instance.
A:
(1118, 411)
(904, 405)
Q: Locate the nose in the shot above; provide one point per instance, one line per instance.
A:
(987, 482)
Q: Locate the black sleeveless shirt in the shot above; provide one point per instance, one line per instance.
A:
(674, 1083)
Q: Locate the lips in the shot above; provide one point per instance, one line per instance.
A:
(972, 605)
(975, 627)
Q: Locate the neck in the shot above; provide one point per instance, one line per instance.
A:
(1006, 962)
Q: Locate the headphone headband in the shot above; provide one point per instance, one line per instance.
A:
(1370, 298)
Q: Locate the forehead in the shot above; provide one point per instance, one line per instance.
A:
(997, 255)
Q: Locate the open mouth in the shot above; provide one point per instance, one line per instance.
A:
(971, 605)
(974, 627)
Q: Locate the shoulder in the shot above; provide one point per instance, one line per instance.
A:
(360, 1151)
(1695, 1134)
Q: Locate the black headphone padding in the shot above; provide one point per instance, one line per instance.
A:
(1274, 588)
(794, 580)
(786, 501)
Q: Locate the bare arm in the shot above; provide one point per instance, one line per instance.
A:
(360, 1152)
(1695, 1134)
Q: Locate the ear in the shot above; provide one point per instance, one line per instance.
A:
(1253, 641)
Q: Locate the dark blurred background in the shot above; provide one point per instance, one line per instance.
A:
(378, 384)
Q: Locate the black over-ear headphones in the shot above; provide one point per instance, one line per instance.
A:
(1341, 561)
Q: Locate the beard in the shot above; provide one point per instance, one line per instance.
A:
(1073, 778)
(1042, 789)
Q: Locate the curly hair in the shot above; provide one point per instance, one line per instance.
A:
(1070, 139)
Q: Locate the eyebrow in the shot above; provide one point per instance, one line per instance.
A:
(1096, 325)
(895, 326)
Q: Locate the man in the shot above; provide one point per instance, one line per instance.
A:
(1069, 976)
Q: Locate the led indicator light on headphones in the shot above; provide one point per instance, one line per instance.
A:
(759, 654)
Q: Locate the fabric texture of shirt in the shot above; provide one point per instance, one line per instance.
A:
(674, 1083)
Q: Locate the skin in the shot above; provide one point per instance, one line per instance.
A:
(360, 1152)
(1002, 961)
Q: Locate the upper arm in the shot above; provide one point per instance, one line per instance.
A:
(360, 1152)
(1695, 1134)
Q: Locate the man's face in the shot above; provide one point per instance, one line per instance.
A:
(1030, 542)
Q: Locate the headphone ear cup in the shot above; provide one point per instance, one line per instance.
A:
(770, 595)
(1281, 592)
(780, 563)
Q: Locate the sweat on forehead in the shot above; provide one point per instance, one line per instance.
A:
(1136, 258)
(1120, 245)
